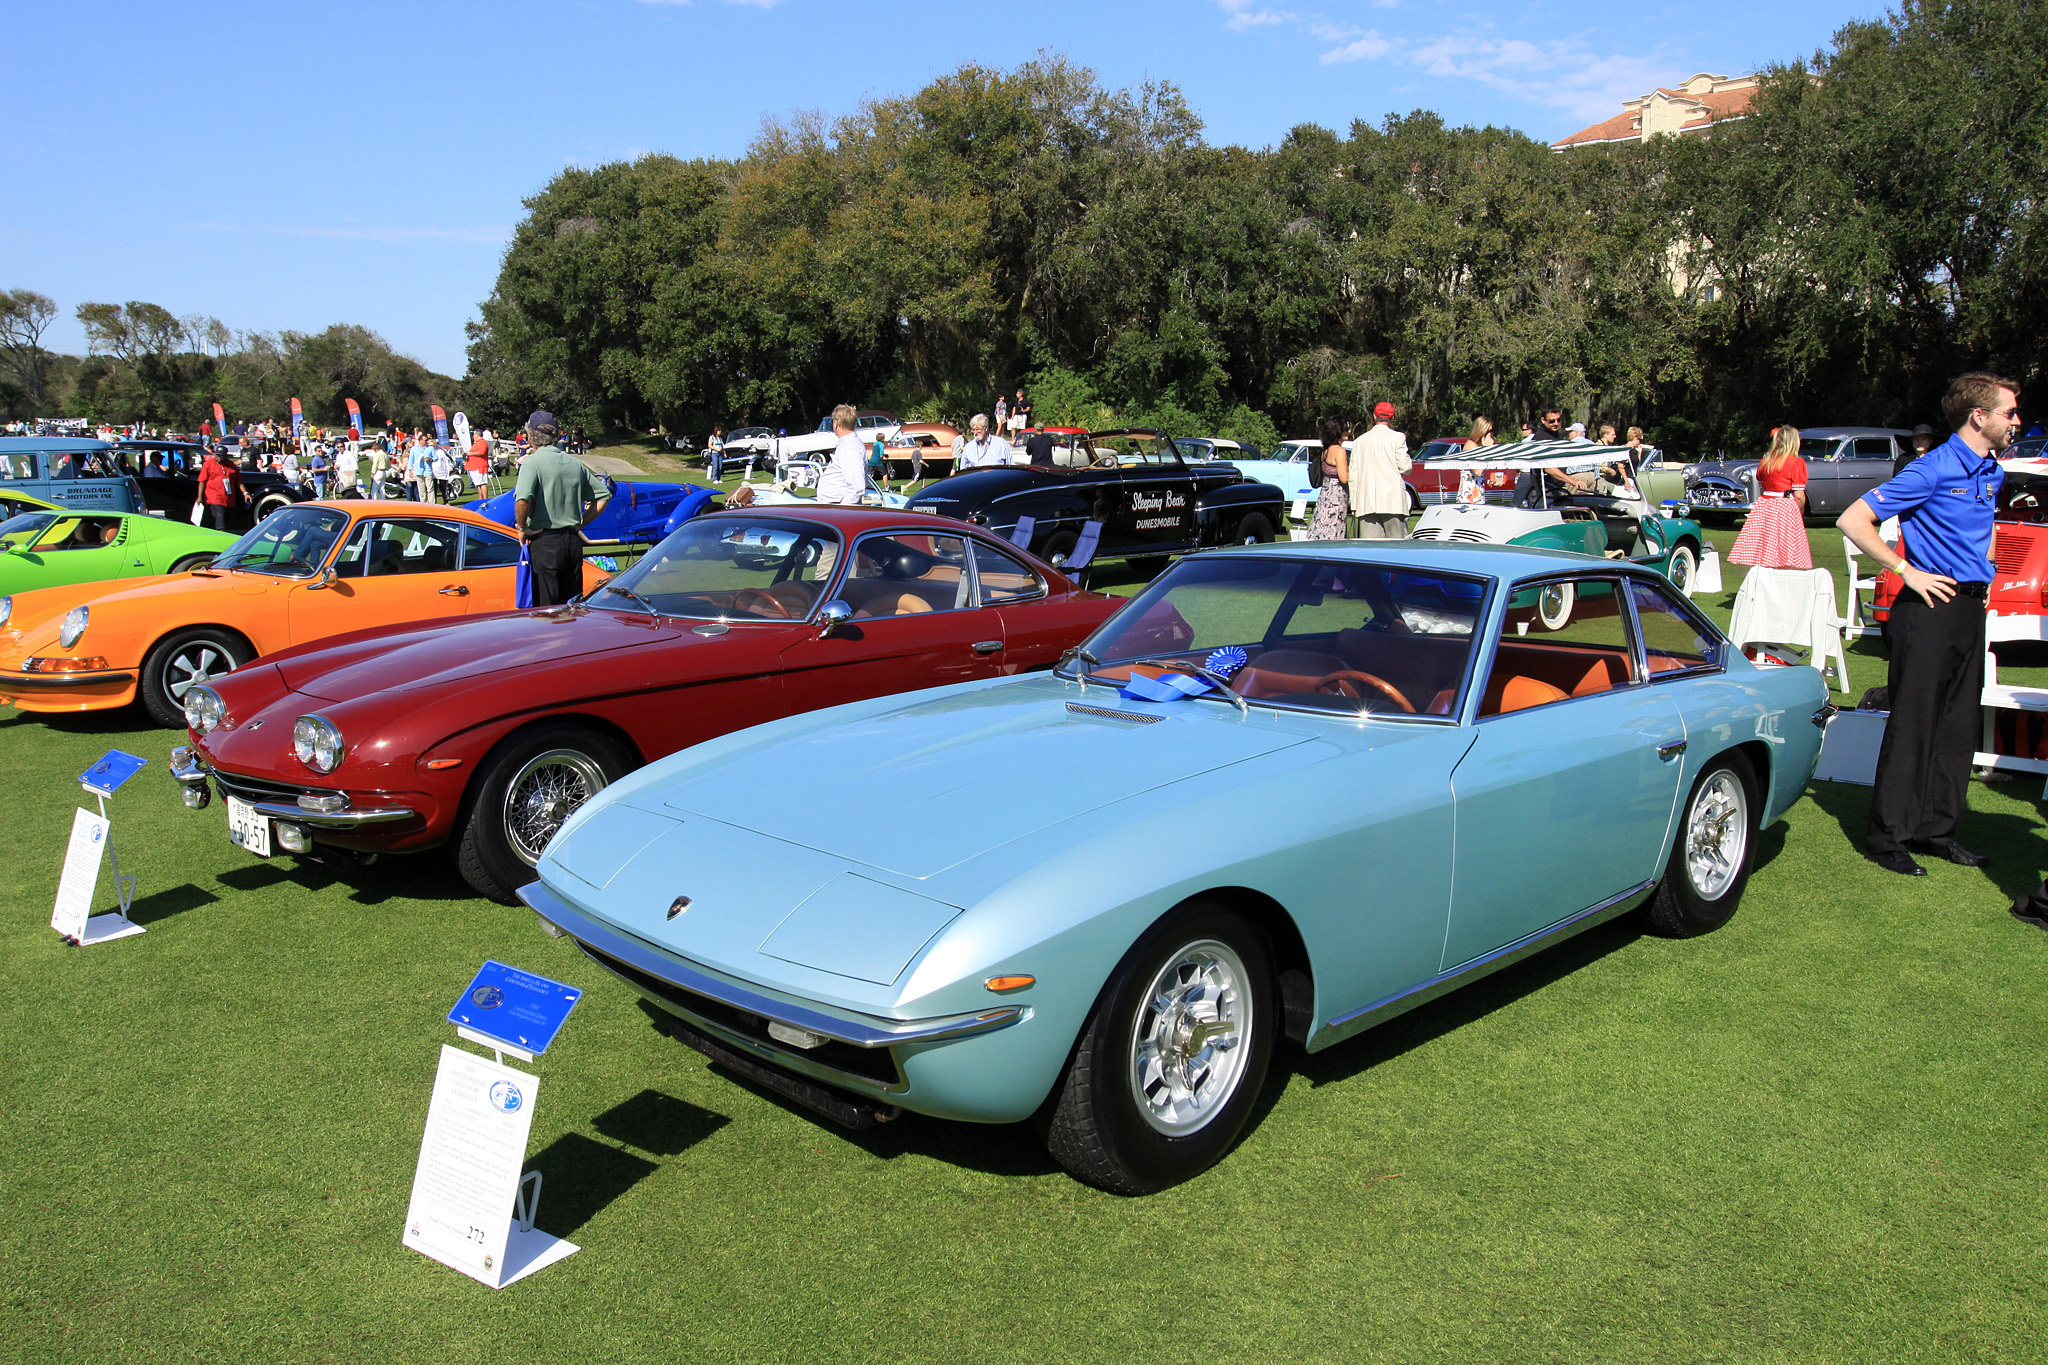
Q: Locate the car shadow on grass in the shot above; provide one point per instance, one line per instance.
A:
(421, 879)
(161, 905)
(119, 721)
(1451, 1012)
(1012, 1149)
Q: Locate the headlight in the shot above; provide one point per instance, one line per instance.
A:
(317, 743)
(204, 710)
(74, 625)
(6, 608)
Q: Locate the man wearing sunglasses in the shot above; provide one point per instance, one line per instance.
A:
(1944, 502)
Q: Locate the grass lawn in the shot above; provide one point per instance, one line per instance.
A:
(1812, 1135)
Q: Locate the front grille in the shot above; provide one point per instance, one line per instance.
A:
(2009, 551)
(262, 789)
(872, 1064)
(1427, 533)
(1475, 537)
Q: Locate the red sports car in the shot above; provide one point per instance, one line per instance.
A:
(2018, 600)
(486, 732)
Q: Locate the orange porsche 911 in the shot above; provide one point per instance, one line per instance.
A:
(309, 571)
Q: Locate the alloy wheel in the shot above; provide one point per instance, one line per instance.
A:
(1187, 1051)
(1716, 835)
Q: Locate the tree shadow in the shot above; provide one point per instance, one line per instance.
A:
(579, 1177)
(658, 1123)
(161, 905)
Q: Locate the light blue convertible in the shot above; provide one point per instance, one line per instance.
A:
(1286, 792)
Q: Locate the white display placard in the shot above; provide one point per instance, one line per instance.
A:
(471, 1159)
(81, 879)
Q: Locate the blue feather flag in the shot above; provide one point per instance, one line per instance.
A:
(522, 582)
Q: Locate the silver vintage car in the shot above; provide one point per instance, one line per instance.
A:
(1842, 464)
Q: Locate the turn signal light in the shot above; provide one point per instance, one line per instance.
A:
(437, 764)
(88, 663)
(1008, 983)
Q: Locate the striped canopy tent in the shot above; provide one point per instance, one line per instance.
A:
(1539, 455)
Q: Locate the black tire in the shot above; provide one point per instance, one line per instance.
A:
(1098, 1127)
(268, 503)
(191, 562)
(556, 768)
(1255, 528)
(177, 661)
(1414, 501)
(1698, 896)
(1058, 543)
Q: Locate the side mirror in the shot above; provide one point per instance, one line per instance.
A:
(832, 616)
(327, 577)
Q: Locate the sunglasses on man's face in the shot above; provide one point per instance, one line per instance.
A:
(2009, 414)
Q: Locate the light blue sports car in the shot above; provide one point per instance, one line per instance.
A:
(1288, 792)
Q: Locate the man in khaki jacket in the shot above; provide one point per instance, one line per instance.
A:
(1379, 499)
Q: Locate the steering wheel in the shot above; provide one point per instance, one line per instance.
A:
(1335, 683)
(744, 600)
(1105, 462)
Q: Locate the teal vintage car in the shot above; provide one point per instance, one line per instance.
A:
(48, 547)
(1290, 791)
(1612, 518)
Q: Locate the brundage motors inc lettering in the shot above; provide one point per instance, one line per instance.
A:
(1167, 501)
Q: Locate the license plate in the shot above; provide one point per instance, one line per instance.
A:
(246, 829)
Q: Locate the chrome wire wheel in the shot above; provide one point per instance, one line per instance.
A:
(1188, 1050)
(1716, 835)
(545, 791)
(198, 662)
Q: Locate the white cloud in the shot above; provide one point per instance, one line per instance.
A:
(1567, 73)
(1353, 44)
(1244, 17)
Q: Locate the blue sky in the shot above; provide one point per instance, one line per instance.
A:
(291, 166)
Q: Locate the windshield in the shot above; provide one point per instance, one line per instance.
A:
(1295, 452)
(1348, 637)
(1438, 450)
(1816, 447)
(291, 543)
(730, 568)
(23, 530)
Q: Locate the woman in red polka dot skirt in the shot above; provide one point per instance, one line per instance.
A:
(1774, 536)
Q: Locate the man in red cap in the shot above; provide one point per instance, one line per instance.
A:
(1379, 496)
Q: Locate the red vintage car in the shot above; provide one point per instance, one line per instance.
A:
(1433, 485)
(485, 733)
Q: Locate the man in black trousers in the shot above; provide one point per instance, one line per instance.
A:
(1944, 501)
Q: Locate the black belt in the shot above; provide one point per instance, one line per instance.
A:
(1980, 591)
(553, 531)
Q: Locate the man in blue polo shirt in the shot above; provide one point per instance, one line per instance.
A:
(1944, 502)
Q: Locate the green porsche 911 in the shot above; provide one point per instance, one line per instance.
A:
(49, 546)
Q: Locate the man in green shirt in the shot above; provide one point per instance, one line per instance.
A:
(556, 498)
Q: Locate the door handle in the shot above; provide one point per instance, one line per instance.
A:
(987, 646)
(1667, 752)
(455, 590)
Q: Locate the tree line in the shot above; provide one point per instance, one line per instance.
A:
(146, 364)
(1869, 230)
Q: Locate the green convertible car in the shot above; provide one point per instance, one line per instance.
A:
(49, 546)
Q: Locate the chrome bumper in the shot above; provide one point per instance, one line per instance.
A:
(187, 767)
(863, 1031)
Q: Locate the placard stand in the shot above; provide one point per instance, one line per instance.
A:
(90, 839)
(472, 1156)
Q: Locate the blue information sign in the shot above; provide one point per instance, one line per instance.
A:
(515, 1007)
(106, 775)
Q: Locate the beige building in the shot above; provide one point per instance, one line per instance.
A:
(1694, 107)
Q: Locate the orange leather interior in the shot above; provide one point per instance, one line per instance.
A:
(1563, 670)
(1520, 693)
